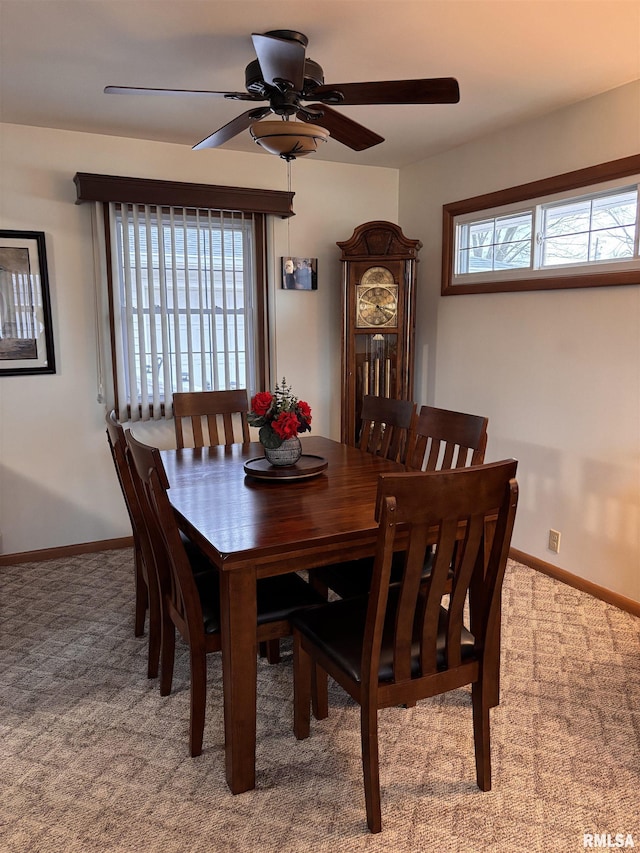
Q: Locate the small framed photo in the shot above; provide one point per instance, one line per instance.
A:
(26, 334)
(299, 273)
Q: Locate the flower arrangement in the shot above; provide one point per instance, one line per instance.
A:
(279, 416)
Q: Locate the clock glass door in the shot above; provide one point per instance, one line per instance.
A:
(376, 366)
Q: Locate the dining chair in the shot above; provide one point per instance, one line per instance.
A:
(439, 439)
(211, 417)
(146, 586)
(190, 602)
(144, 597)
(385, 431)
(385, 426)
(398, 645)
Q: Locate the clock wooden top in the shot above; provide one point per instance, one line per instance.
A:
(379, 238)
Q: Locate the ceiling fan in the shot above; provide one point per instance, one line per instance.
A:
(284, 77)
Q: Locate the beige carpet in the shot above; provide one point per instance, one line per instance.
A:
(93, 759)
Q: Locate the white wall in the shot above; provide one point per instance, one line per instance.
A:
(57, 484)
(556, 372)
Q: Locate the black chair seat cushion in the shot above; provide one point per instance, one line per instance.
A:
(278, 598)
(353, 578)
(337, 629)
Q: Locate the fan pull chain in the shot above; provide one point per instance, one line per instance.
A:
(288, 217)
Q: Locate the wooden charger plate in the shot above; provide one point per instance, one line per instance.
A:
(307, 466)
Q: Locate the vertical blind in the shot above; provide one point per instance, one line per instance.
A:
(183, 294)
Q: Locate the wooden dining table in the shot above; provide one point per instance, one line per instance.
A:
(253, 528)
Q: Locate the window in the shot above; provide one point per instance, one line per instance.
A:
(501, 242)
(589, 230)
(182, 285)
(186, 290)
(574, 230)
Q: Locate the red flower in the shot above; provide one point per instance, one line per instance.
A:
(261, 402)
(304, 410)
(286, 425)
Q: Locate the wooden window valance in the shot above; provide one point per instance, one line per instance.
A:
(108, 188)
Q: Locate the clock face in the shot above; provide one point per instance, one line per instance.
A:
(377, 305)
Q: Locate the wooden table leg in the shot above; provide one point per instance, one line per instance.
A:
(238, 614)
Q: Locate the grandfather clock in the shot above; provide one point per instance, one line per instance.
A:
(378, 318)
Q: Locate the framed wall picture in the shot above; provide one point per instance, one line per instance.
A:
(26, 334)
(299, 273)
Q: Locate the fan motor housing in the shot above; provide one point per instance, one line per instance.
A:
(313, 77)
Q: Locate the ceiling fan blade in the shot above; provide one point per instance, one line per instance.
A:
(341, 128)
(136, 90)
(232, 128)
(280, 59)
(437, 90)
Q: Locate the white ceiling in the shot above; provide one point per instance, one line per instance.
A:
(514, 59)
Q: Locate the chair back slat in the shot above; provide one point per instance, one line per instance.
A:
(211, 417)
(456, 506)
(429, 611)
(212, 428)
(378, 595)
(197, 430)
(442, 439)
(405, 610)
(470, 553)
(386, 424)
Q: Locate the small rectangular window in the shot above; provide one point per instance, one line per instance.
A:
(591, 229)
(575, 230)
(503, 242)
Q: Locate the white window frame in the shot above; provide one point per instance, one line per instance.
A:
(462, 223)
(535, 198)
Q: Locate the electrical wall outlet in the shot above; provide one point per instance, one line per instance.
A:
(554, 541)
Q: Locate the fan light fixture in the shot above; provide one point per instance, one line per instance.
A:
(288, 139)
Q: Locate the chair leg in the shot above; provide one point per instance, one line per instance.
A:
(301, 689)
(273, 651)
(153, 659)
(319, 692)
(494, 687)
(319, 586)
(141, 594)
(481, 734)
(155, 631)
(168, 650)
(370, 764)
(198, 700)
